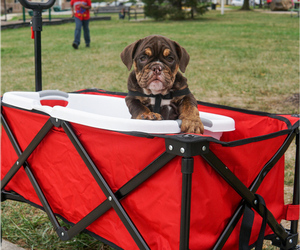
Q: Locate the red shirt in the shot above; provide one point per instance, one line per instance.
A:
(81, 13)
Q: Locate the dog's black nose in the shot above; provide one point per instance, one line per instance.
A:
(156, 69)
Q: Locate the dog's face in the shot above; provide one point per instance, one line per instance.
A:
(156, 60)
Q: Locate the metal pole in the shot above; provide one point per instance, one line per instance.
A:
(222, 7)
(187, 170)
(296, 195)
(37, 24)
(24, 18)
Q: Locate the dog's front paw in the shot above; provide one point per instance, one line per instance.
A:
(192, 126)
(149, 116)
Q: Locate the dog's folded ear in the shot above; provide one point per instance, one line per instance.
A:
(127, 54)
(183, 56)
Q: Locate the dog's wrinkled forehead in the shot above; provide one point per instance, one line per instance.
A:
(155, 46)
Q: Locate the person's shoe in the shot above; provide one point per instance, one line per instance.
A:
(75, 46)
(88, 46)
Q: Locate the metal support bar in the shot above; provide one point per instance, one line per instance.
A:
(135, 234)
(140, 178)
(37, 24)
(27, 152)
(42, 198)
(271, 163)
(38, 60)
(289, 244)
(39, 137)
(187, 169)
(244, 192)
(9, 134)
(253, 188)
(229, 227)
(10, 195)
(296, 194)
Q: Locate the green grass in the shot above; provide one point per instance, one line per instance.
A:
(31, 228)
(242, 59)
(248, 60)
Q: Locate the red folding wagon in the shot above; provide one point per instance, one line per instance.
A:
(137, 184)
(70, 155)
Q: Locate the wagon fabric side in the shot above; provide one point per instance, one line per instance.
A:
(127, 188)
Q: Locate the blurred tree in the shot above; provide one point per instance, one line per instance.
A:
(175, 9)
(155, 9)
(246, 5)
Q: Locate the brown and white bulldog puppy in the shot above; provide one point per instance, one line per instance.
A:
(157, 90)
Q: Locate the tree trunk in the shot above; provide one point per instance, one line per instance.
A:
(246, 5)
(192, 12)
(179, 5)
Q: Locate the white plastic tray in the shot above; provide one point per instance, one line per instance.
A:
(110, 113)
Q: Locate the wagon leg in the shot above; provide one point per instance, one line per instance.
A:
(296, 195)
(187, 168)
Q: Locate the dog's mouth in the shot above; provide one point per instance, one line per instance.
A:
(159, 83)
(156, 87)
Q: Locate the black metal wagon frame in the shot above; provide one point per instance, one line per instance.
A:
(185, 146)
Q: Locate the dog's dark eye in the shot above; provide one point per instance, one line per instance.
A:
(143, 58)
(170, 58)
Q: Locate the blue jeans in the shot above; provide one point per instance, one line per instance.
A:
(86, 31)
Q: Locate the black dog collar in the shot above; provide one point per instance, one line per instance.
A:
(160, 97)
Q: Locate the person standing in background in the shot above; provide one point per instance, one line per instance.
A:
(81, 12)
